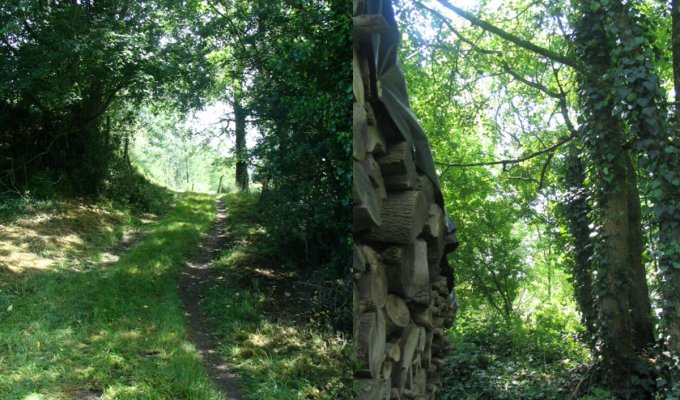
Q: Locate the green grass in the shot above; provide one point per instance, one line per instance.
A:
(117, 331)
(264, 327)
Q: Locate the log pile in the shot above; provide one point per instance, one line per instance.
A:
(401, 300)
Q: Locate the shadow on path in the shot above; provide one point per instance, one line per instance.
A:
(194, 283)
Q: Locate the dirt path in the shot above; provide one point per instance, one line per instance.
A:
(194, 283)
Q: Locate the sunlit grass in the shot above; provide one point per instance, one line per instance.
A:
(118, 331)
(68, 235)
(277, 355)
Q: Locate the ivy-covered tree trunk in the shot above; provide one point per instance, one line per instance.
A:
(577, 211)
(620, 289)
(657, 144)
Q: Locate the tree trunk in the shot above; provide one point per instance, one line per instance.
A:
(240, 149)
(619, 285)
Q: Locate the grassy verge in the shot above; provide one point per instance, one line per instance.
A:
(115, 331)
(265, 328)
(68, 235)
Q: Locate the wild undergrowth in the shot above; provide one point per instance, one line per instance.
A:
(536, 357)
(113, 331)
(267, 325)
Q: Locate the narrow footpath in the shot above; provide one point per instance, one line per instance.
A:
(194, 283)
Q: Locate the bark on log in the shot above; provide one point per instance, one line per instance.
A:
(398, 167)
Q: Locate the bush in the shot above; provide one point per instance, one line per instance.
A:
(127, 186)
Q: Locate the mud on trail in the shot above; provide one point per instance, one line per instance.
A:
(195, 280)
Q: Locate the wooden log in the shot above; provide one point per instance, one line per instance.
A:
(366, 210)
(357, 80)
(407, 271)
(420, 381)
(358, 259)
(422, 339)
(377, 390)
(423, 317)
(360, 129)
(370, 115)
(408, 344)
(363, 26)
(373, 171)
(402, 217)
(392, 351)
(433, 233)
(358, 7)
(377, 345)
(396, 310)
(372, 288)
(426, 186)
(364, 331)
(386, 372)
(398, 167)
(375, 140)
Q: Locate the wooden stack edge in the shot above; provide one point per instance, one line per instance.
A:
(401, 300)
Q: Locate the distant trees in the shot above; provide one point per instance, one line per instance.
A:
(286, 70)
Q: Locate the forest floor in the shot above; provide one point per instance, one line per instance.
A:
(91, 307)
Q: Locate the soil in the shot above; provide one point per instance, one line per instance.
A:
(194, 283)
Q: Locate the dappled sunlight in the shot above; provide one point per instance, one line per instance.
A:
(104, 332)
(60, 239)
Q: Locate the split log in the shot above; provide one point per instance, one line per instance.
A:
(408, 344)
(392, 352)
(407, 271)
(366, 209)
(423, 318)
(360, 128)
(357, 80)
(372, 288)
(402, 216)
(433, 233)
(398, 167)
(386, 371)
(426, 186)
(396, 311)
(358, 259)
(373, 171)
(375, 140)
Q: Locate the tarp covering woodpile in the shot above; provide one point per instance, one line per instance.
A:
(403, 296)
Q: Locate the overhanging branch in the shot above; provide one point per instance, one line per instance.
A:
(546, 150)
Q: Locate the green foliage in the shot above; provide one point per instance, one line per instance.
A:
(500, 359)
(301, 99)
(68, 68)
(127, 186)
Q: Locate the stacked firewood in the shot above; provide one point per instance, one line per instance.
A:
(401, 300)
